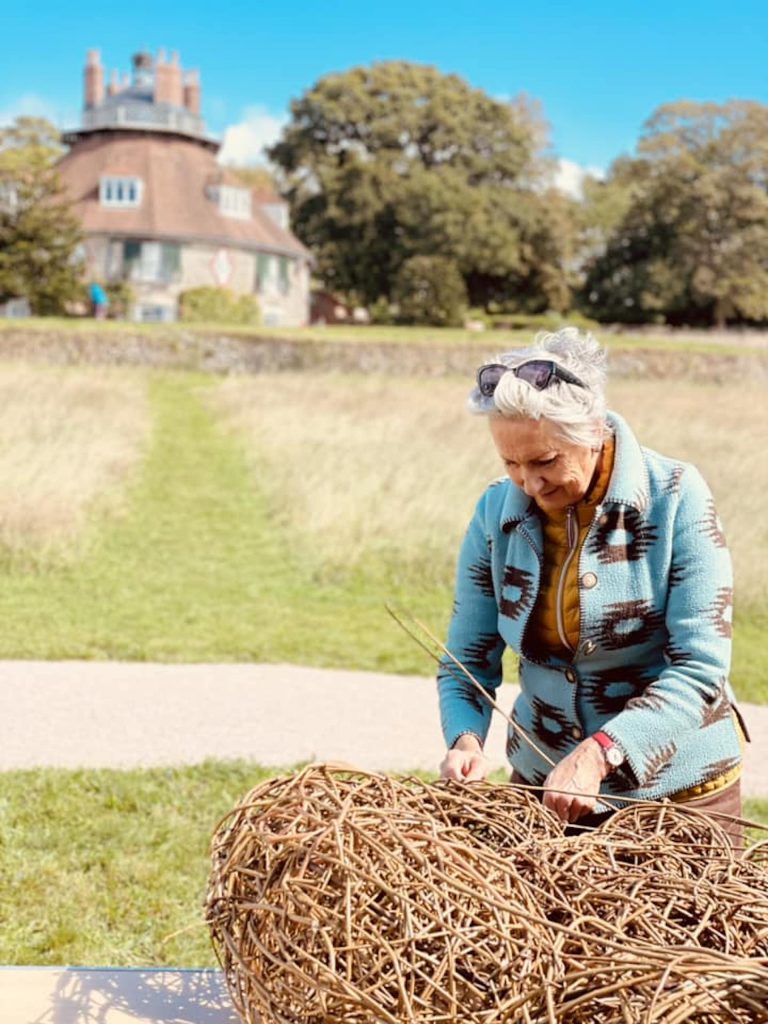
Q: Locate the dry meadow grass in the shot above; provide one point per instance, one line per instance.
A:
(68, 440)
(723, 429)
(380, 470)
(366, 471)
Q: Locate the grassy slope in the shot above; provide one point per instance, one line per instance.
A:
(109, 868)
(195, 571)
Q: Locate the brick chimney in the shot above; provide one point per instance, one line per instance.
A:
(94, 80)
(175, 78)
(114, 85)
(168, 87)
(162, 84)
(192, 92)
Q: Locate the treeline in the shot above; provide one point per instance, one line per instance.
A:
(421, 196)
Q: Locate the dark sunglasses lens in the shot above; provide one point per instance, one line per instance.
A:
(537, 373)
(488, 378)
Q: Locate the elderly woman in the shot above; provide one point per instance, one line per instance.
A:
(603, 566)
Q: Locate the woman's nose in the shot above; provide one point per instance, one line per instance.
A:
(532, 484)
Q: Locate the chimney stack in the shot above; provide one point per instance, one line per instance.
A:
(168, 86)
(192, 92)
(114, 86)
(162, 85)
(94, 80)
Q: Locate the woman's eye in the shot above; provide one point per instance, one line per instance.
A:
(547, 462)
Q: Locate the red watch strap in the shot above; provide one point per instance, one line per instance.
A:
(605, 741)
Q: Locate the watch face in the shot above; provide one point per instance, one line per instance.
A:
(614, 757)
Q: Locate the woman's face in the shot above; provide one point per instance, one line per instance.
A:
(551, 470)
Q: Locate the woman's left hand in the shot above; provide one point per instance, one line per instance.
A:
(570, 788)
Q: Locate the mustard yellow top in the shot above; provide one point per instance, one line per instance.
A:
(555, 616)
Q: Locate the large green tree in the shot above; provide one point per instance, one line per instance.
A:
(689, 237)
(39, 233)
(385, 163)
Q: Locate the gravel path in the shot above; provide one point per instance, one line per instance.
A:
(128, 714)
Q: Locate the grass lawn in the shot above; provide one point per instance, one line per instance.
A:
(105, 868)
(197, 570)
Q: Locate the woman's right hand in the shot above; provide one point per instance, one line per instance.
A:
(465, 761)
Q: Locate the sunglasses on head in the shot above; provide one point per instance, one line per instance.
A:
(539, 373)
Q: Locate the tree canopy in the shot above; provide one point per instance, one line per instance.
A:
(688, 242)
(39, 232)
(385, 163)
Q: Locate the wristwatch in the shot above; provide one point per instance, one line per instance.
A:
(614, 756)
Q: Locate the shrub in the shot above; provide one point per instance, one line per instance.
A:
(539, 321)
(381, 312)
(429, 290)
(218, 306)
(121, 297)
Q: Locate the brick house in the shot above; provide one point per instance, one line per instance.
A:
(158, 210)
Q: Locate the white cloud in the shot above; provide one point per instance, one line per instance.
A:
(569, 177)
(31, 105)
(244, 142)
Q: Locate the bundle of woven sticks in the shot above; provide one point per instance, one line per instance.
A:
(340, 896)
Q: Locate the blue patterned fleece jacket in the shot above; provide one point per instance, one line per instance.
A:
(651, 667)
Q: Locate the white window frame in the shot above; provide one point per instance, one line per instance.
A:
(120, 193)
(235, 202)
(154, 313)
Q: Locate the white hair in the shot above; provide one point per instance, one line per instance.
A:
(578, 412)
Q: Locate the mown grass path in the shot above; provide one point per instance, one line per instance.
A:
(194, 570)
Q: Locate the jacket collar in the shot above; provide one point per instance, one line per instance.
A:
(628, 484)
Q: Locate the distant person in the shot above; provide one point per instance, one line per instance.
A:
(603, 565)
(99, 301)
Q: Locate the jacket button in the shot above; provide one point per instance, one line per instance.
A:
(576, 732)
(603, 520)
(570, 675)
(588, 647)
(588, 580)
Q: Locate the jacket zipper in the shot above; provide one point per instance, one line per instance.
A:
(572, 534)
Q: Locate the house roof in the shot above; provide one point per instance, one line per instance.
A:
(176, 173)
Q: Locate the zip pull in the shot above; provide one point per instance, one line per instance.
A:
(572, 536)
(571, 529)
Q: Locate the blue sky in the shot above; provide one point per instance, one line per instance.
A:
(598, 68)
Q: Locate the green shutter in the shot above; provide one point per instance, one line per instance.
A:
(262, 269)
(170, 261)
(131, 252)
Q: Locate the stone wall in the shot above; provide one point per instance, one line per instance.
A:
(179, 348)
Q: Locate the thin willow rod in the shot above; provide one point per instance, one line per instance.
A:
(468, 675)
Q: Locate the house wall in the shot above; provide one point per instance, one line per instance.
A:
(279, 308)
(216, 266)
(204, 265)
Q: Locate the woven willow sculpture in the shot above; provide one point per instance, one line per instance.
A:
(353, 897)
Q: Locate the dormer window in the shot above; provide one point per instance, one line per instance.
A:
(232, 201)
(120, 193)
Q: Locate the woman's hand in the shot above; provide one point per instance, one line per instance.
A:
(465, 761)
(579, 776)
